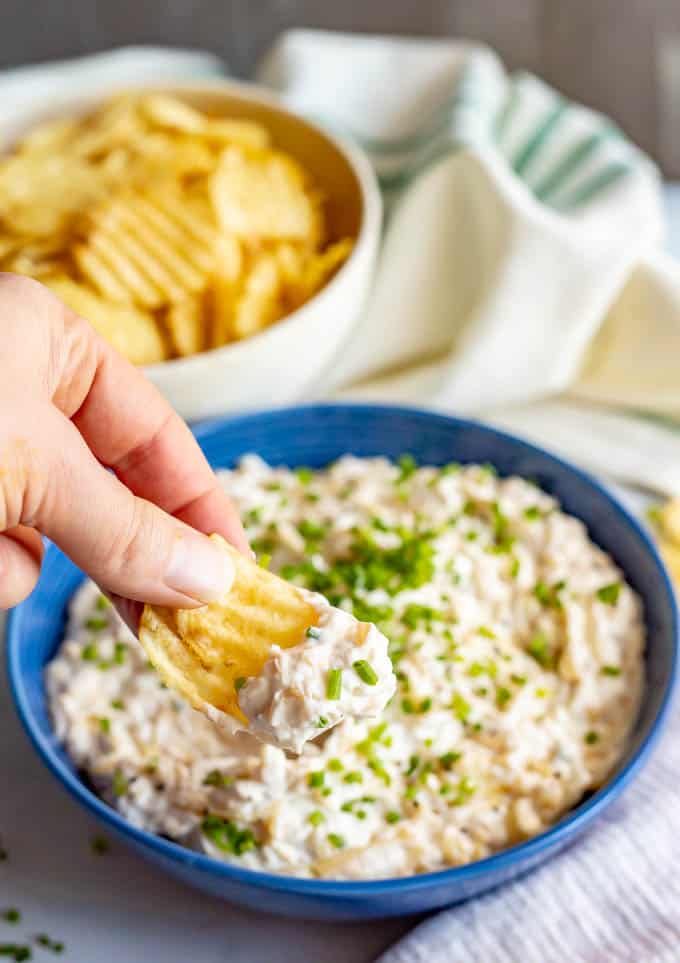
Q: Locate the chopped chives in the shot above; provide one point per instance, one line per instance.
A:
(313, 633)
(96, 623)
(392, 816)
(354, 776)
(217, 779)
(100, 844)
(335, 765)
(316, 779)
(105, 725)
(609, 594)
(503, 696)
(449, 758)
(591, 738)
(322, 722)
(119, 784)
(11, 915)
(117, 704)
(240, 682)
(316, 818)
(365, 671)
(335, 840)
(334, 684)
(612, 670)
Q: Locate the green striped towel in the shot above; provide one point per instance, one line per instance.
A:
(520, 259)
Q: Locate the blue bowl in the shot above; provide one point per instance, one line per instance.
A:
(314, 436)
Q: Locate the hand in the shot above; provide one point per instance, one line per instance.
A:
(70, 408)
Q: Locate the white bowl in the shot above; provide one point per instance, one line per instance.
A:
(279, 364)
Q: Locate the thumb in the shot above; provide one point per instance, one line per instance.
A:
(21, 552)
(126, 544)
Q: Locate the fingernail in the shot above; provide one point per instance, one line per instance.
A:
(199, 569)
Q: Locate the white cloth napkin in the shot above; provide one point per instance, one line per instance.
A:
(521, 255)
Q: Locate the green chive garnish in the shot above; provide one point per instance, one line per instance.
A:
(120, 783)
(609, 594)
(591, 738)
(100, 844)
(335, 840)
(95, 623)
(612, 670)
(313, 632)
(11, 915)
(316, 818)
(240, 682)
(365, 671)
(334, 684)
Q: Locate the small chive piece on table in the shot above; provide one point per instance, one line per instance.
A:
(365, 671)
(100, 844)
(334, 684)
(11, 915)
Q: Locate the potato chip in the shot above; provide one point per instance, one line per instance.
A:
(258, 303)
(223, 291)
(244, 133)
(202, 652)
(132, 332)
(172, 113)
(149, 212)
(185, 325)
(262, 197)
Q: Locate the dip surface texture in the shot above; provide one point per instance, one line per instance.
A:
(518, 652)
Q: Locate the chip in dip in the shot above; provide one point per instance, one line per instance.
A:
(517, 646)
(270, 656)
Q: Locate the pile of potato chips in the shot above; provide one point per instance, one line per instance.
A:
(172, 232)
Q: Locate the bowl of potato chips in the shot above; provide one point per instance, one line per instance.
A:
(216, 239)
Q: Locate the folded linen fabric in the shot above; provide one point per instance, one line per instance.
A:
(521, 257)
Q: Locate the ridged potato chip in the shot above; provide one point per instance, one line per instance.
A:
(202, 653)
(166, 218)
(132, 332)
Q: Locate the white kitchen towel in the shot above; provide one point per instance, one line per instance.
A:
(521, 253)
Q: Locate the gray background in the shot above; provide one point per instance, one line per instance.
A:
(621, 56)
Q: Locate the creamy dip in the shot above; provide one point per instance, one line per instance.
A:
(341, 669)
(518, 652)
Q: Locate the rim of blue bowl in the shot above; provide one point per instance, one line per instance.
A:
(522, 853)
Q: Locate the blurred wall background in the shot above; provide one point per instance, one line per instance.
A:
(621, 56)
